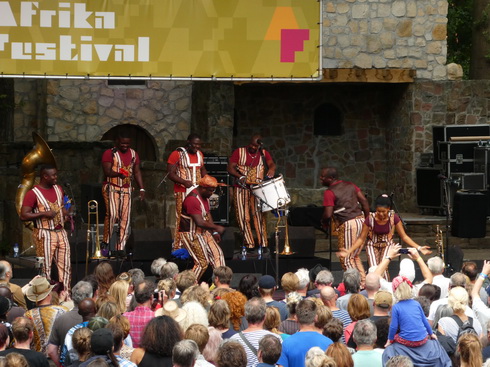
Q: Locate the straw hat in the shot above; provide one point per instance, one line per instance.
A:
(172, 309)
(39, 289)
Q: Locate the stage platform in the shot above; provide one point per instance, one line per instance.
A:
(310, 247)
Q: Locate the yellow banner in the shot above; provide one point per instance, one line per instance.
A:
(192, 39)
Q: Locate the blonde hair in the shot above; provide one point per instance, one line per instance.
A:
(168, 285)
(119, 290)
(323, 315)
(16, 360)
(196, 293)
(219, 314)
(290, 282)
(458, 299)
(469, 348)
(272, 319)
(403, 292)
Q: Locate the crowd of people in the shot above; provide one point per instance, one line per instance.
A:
(168, 319)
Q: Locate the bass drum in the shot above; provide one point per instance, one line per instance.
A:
(273, 194)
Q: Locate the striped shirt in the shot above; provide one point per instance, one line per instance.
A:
(253, 338)
(343, 316)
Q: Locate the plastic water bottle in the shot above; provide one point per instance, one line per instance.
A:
(244, 253)
(16, 250)
(259, 252)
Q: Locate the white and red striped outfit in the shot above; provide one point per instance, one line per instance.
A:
(49, 235)
(379, 239)
(188, 167)
(117, 196)
(198, 241)
(246, 204)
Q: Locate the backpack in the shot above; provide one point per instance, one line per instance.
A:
(465, 327)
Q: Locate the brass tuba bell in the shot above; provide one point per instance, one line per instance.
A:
(40, 154)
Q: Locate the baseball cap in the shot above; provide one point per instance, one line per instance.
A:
(267, 282)
(383, 299)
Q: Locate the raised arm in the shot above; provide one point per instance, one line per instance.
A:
(425, 250)
(383, 265)
(426, 273)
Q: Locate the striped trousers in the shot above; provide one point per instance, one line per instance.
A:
(347, 235)
(118, 210)
(54, 245)
(179, 199)
(204, 250)
(376, 252)
(246, 207)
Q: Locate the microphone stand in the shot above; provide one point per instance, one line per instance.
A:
(74, 233)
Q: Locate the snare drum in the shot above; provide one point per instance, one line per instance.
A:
(273, 194)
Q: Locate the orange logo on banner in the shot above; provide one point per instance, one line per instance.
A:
(283, 18)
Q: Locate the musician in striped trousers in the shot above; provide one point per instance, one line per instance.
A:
(43, 205)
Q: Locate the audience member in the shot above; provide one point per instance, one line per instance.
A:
(169, 270)
(118, 337)
(430, 291)
(231, 354)
(436, 267)
(352, 282)
(44, 314)
(329, 299)
(424, 303)
(365, 337)
(289, 283)
(469, 350)
(481, 311)
(210, 351)
(333, 329)
(323, 314)
(450, 326)
(222, 276)
(219, 317)
(102, 345)
(409, 325)
(340, 354)
(158, 339)
(66, 321)
(16, 360)
(371, 287)
(127, 347)
(195, 313)
(382, 330)
(142, 314)
(6, 275)
(184, 280)
(267, 287)
(156, 268)
(291, 325)
(358, 308)
(23, 331)
(120, 290)
(196, 293)
(249, 286)
(382, 303)
(304, 281)
(81, 344)
(86, 310)
(105, 277)
(269, 351)
(323, 279)
(15, 311)
(317, 358)
(297, 345)
(255, 309)
(273, 321)
(236, 303)
(4, 337)
(200, 335)
(184, 353)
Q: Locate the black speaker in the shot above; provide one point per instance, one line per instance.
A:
(149, 244)
(221, 215)
(227, 243)
(454, 259)
(469, 215)
(304, 216)
(302, 241)
(429, 188)
(92, 192)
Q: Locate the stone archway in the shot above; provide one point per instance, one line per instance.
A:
(142, 141)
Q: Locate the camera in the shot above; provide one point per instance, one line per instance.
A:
(155, 294)
(403, 251)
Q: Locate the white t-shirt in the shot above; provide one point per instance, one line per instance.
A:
(451, 327)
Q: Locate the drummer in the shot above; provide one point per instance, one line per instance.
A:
(250, 165)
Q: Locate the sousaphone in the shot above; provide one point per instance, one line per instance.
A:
(40, 154)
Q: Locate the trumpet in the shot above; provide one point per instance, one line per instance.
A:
(439, 241)
(93, 239)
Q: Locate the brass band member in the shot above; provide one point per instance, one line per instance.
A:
(120, 164)
(341, 202)
(198, 233)
(43, 205)
(247, 164)
(185, 166)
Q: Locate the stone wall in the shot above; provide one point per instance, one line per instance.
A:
(386, 34)
(84, 110)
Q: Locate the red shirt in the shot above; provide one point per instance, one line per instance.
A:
(30, 199)
(137, 321)
(191, 205)
(329, 196)
(174, 159)
(125, 157)
(382, 228)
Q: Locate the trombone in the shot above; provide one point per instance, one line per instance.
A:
(93, 233)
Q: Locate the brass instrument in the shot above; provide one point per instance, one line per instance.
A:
(439, 241)
(93, 239)
(40, 154)
(287, 247)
